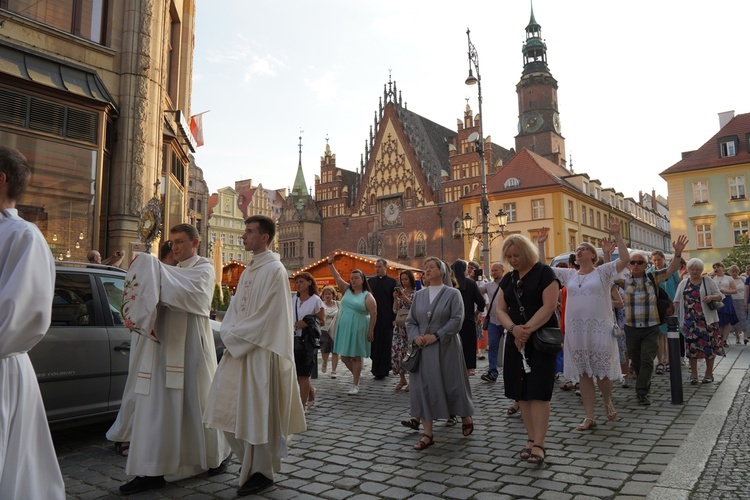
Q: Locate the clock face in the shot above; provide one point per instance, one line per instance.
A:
(556, 122)
(391, 212)
(532, 121)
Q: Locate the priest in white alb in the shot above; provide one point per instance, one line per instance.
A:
(254, 397)
(175, 361)
(28, 464)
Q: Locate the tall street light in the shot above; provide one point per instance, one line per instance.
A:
(479, 141)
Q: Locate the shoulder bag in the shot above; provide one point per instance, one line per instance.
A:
(547, 339)
(714, 305)
(486, 322)
(664, 304)
(410, 363)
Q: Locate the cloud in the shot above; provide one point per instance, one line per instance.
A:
(266, 65)
(324, 88)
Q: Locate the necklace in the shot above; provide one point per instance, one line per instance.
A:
(580, 280)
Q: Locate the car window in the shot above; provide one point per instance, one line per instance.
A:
(73, 303)
(114, 288)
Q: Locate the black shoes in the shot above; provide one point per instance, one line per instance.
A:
(222, 468)
(643, 399)
(255, 484)
(142, 483)
(489, 377)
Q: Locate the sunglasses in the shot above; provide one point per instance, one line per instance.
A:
(519, 290)
(637, 262)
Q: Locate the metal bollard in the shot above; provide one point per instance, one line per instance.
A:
(675, 367)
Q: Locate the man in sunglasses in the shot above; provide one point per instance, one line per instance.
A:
(642, 316)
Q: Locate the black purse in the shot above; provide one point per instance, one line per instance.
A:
(410, 363)
(548, 339)
(714, 304)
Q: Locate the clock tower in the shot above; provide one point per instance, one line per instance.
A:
(539, 128)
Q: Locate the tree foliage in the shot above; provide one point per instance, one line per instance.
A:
(739, 255)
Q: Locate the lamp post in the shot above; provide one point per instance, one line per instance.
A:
(479, 141)
(501, 219)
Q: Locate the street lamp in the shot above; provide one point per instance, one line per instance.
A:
(501, 221)
(479, 141)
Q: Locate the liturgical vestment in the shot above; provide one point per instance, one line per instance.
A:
(28, 464)
(255, 397)
(174, 374)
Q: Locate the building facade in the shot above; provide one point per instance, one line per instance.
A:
(227, 225)
(708, 198)
(96, 94)
(197, 209)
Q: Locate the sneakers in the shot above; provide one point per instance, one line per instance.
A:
(354, 389)
(489, 377)
(643, 399)
(333, 374)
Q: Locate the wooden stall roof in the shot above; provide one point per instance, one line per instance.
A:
(345, 263)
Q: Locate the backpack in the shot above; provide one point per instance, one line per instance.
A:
(664, 304)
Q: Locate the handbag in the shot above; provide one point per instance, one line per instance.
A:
(486, 320)
(401, 317)
(410, 363)
(548, 339)
(714, 305)
(664, 304)
(616, 332)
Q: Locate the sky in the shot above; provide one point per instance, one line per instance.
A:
(640, 82)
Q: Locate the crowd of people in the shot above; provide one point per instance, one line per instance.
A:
(183, 414)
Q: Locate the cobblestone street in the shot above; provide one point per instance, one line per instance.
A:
(356, 448)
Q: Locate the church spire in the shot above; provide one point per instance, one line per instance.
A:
(300, 186)
(534, 49)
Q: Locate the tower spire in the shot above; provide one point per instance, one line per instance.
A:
(534, 49)
(300, 186)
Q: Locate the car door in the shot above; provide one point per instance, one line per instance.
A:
(112, 288)
(72, 360)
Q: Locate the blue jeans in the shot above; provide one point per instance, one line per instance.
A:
(495, 333)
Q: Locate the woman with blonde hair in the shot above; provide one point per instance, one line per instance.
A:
(698, 322)
(331, 306)
(528, 303)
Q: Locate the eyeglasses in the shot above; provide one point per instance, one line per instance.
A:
(637, 262)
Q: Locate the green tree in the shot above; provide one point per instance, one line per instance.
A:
(739, 255)
(216, 301)
(226, 297)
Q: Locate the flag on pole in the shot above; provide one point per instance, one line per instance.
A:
(196, 128)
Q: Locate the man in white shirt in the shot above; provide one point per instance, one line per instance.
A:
(254, 398)
(28, 464)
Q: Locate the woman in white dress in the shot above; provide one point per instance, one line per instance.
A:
(590, 350)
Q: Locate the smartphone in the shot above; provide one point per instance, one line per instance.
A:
(478, 274)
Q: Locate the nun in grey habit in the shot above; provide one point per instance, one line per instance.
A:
(440, 387)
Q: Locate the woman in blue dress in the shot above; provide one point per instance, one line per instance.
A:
(355, 324)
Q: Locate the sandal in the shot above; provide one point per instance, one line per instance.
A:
(123, 448)
(567, 386)
(526, 452)
(513, 409)
(412, 424)
(666, 367)
(694, 381)
(421, 444)
(611, 412)
(406, 388)
(707, 380)
(660, 368)
(588, 424)
(452, 420)
(535, 458)
(399, 386)
(467, 429)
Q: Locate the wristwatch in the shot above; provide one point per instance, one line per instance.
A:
(512, 326)
(437, 337)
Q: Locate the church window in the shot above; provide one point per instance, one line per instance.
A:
(402, 246)
(420, 246)
(362, 246)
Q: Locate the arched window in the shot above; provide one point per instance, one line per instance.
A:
(402, 246)
(362, 246)
(407, 196)
(200, 206)
(192, 203)
(420, 246)
(457, 228)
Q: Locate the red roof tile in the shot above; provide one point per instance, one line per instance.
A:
(707, 156)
